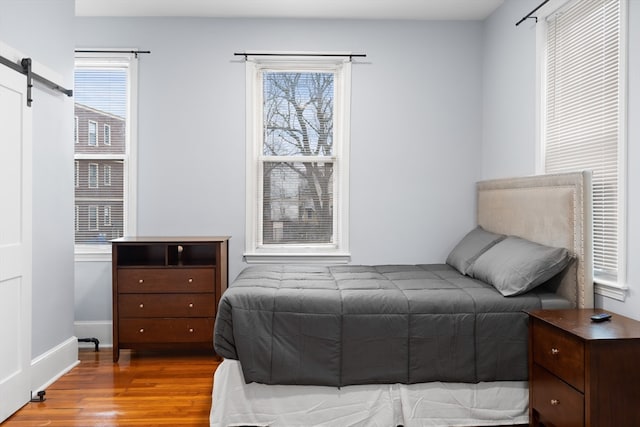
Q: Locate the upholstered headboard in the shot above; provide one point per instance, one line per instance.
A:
(553, 210)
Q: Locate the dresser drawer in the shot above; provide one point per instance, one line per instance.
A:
(175, 305)
(554, 401)
(174, 280)
(166, 330)
(559, 352)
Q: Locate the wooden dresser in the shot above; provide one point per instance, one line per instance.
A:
(583, 373)
(166, 291)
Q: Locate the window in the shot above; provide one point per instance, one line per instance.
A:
(93, 218)
(584, 119)
(106, 133)
(93, 175)
(107, 215)
(93, 133)
(104, 94)
(297, 158)
(107, 175)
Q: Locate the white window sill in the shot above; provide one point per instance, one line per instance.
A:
(93, 253)
(310, 258)
(611, 290)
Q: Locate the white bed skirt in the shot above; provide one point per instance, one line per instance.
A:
(430, 404)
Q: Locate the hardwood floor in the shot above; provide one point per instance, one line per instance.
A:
(142, 389)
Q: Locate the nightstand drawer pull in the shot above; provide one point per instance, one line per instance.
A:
(555, 402)
(191, 330)
(141, 281)
(190, 305)
(141, 330)
(141, 305)
(555, 351)
(190, 280)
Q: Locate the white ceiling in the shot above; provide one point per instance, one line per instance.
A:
(337, 9)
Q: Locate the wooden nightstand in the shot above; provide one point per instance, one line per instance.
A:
(583, 373)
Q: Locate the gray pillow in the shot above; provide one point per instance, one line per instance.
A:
(515, 265)
(474, 244)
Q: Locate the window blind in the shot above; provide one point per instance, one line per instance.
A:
(582, 120)
(101, 113)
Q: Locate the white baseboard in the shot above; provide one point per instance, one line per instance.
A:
(51, 365)
(102, 330)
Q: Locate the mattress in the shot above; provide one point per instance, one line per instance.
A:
(350, 325)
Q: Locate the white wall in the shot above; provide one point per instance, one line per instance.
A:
(509, 145)
(509, 91)
(43, 30)
(416, 131)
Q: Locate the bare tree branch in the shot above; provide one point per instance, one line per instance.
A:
(298, 120)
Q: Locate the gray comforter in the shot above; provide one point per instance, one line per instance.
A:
(346, 325)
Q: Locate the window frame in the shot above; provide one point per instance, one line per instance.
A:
(97, 58)
(106, 215)
(95, 139)
(255, 251)
(96, 167)
(616, 289)
(106, 175)
(106, 134)
(76, 173)
(93, 212)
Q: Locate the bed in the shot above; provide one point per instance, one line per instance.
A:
(408, 345)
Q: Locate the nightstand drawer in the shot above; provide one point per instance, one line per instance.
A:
(554, 401)
(166, 330)
(559, 352)
(175, 305)
(175, 280)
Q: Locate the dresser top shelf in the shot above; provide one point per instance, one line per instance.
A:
(171, 239)
(168, 252)
(578, 322)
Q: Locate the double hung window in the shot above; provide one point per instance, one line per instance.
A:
(297, 158)
(104, 150)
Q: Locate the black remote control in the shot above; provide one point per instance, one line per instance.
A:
(600, 317)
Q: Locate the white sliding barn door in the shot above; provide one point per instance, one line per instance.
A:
(15, 242)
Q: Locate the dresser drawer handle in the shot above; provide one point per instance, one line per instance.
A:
(190, 305)
(190, 280)
(141, 330)
(141, 281)
(555, 351)
(555, 402)
(190, 330)
(141, 305)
